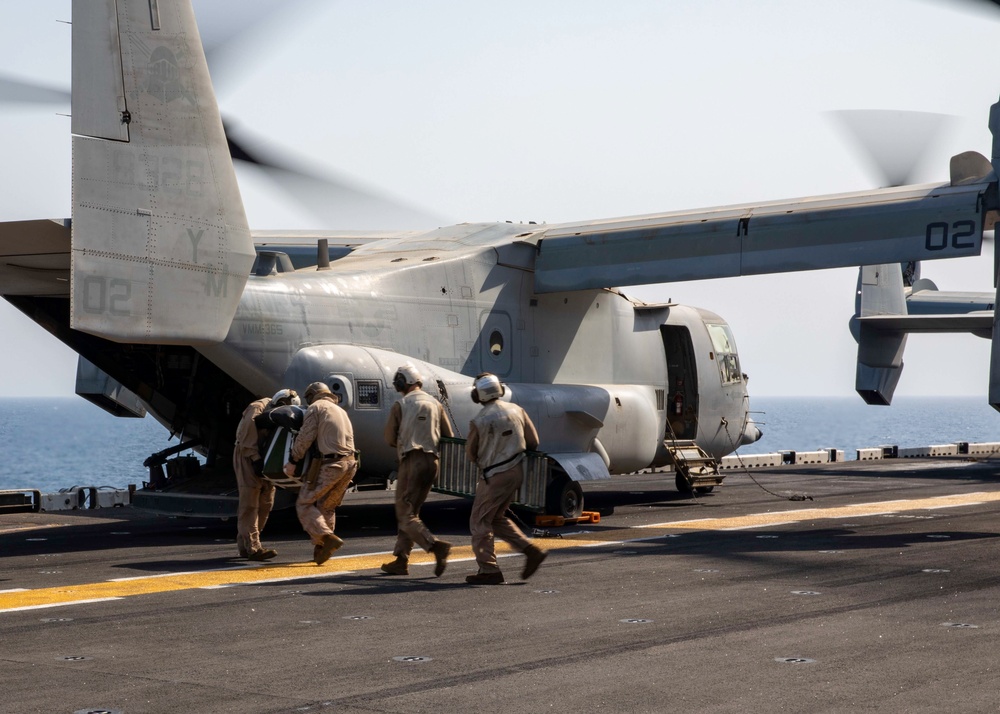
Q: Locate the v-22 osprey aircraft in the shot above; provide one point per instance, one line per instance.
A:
(177, 308)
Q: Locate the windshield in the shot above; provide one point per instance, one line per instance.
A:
(725, 353)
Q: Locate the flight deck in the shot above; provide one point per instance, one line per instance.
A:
(852, 597)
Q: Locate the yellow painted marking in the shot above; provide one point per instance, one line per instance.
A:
(855, 511)
(13, 600)
(28, 527)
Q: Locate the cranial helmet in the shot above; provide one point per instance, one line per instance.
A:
(314, 390)
(487, 388)
(284, 398)
(406, 376)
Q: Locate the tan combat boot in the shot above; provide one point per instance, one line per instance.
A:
(397, 566)
(261, 555)
(440, 549)
(533, 558)
(485, 579)
(323, 552)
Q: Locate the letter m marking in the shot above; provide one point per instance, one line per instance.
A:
(215, 284)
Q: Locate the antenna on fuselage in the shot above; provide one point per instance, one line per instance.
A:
(323, 254)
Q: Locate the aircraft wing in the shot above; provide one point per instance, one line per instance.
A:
(35, 258)
(882, 226)
(343, 239)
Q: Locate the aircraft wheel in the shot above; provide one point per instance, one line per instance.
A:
(564, 497)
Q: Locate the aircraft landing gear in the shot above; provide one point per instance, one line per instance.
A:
(563, 497)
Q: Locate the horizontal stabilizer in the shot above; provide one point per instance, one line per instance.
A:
(98, 387)
(34, 258)
(974, 322)
(161, 248)
(910, 223)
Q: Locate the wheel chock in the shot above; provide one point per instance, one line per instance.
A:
(556, 521)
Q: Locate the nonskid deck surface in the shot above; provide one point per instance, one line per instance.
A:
(890, 569)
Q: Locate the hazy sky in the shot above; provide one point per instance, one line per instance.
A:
(558, 111)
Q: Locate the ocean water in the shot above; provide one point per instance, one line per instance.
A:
(57, 443)
(812, 423)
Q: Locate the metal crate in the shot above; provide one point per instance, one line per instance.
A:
(458, 476)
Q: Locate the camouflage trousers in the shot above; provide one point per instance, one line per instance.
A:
(317, 506)
(256, 501)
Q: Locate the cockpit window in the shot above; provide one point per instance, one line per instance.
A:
(725, 353)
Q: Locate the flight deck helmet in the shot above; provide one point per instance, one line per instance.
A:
(284, 398)
(314, 390)
(487, 388)
(406, 376)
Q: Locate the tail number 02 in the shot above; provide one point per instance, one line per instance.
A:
(940, 235)
(106, 295)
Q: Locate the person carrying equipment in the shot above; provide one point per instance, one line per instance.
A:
(256, 494)
(498, 438)
(415, 426)
(327, 426)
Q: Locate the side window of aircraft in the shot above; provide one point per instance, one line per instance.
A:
(725, 353)
(496, 343)
(368, 394)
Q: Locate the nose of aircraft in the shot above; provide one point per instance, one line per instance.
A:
(751, 433)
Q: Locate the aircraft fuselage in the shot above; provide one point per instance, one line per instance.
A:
(593, 368)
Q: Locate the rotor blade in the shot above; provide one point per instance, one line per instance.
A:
(892, 143)
(222, 24)
(233, 33)
(239, 152)
(20, 91)
(339, 204)
(987, 8)
(339, 201)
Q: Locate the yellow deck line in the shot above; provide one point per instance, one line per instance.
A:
(22, 527)
(279, 572)
(855, 511)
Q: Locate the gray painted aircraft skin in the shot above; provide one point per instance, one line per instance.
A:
(176, 307)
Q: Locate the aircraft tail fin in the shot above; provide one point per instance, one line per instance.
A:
(161, 250)
(880, 351)
(992, 220)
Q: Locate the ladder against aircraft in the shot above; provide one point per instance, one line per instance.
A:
(696, 470)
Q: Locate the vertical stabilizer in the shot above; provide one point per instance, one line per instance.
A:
(880, 352)
(161, 247)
